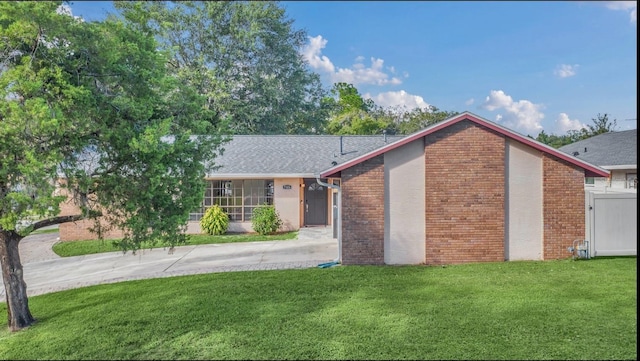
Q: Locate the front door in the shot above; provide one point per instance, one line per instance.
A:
(315, 203)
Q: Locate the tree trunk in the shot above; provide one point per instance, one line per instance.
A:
(18, 313)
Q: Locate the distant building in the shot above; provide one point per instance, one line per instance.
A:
(616, 152)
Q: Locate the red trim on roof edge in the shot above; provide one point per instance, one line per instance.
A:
(590, 170)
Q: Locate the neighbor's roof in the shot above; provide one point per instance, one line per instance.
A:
(590, 169)
(613, 150)
(250, 156)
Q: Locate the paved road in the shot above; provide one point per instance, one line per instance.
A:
(45, 272)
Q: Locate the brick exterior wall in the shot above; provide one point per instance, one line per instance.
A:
(562, 205)
(363, 213)
(77, 231)
(465, 195)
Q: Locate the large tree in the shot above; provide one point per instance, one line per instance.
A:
(87, 111)
(244, 56)
(350, 113)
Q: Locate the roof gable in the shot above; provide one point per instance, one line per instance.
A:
(590, 170)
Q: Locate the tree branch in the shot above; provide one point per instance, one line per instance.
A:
(57, 220)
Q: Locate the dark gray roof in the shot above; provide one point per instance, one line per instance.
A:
(291, 155)
(607, 149)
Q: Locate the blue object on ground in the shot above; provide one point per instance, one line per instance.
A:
(328, 264)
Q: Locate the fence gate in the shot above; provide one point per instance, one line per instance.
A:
(611, 223)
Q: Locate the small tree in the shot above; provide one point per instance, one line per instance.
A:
(215, 221)
(265, 220)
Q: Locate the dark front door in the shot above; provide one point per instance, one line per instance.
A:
(315, 203)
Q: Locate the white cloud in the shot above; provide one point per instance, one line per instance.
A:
(522, 116)
(311, 54)
(470, 101)
(564, 124)
(359, 73)
(400, 99)
(566, 70)
(629, 6)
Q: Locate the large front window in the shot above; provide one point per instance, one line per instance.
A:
(237, 198)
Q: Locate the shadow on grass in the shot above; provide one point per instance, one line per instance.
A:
(510, 310)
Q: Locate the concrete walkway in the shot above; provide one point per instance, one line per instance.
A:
(45, 272)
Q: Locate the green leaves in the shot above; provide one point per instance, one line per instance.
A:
(241, 57)
(89, 109)
(350, 114)
(601, 124)
(265, 220)
(215, 221)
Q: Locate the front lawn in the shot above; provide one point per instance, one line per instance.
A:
(78, 248)
(545, 310)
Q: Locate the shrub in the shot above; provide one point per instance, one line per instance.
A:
(265, 220)
(215, 221)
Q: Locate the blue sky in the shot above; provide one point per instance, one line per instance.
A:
(528, 65)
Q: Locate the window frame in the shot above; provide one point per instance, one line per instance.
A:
(237, 197)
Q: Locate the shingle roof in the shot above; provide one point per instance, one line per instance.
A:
(291, 155)
(607, 149)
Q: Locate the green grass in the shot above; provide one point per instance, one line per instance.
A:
(79, 248)
(43, 231)
(546, 310)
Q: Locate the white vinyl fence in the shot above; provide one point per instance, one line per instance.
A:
(611, 222)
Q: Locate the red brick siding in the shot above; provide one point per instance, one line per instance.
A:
(563, 206)
(465, 195)
(363, 213)
(76, 231)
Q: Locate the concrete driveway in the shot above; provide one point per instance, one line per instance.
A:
(45, 272)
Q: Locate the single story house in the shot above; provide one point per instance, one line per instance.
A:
(616, 152)
(279, 170)
(462, 190)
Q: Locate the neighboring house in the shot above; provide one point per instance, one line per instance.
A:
(462, 190)
(616, 152)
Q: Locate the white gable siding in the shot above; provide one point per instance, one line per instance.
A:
(404, 188)
(524, 233)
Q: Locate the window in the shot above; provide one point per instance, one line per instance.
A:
(632, 180)
(237, 198)
(589, 181)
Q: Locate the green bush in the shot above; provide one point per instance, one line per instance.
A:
(215, 221)
(265, 220)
